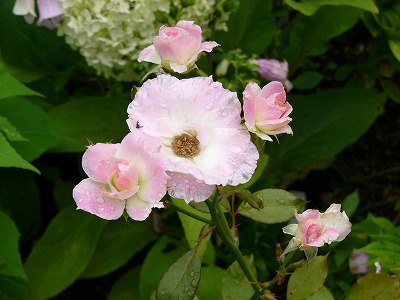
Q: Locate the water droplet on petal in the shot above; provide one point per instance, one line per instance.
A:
(112, 207)
(100, 200)
(101, 209)
(80, 200)
(87, 193)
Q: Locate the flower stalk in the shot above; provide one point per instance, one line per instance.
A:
(188, 213)
(225, 234)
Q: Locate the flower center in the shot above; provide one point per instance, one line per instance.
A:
(186, 145)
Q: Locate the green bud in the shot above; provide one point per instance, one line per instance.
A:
(250, 198)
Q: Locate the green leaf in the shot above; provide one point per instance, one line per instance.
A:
(62, 253)
(32, 47)
(253, 25)
(309, 7)
(307, 80)
(279, 206)
(391, 89)
(322, 294)
(12, 288)
(395, 47)
(32, 123)
(324, 123)
(10, 86)
(234, 283)
(309, 36)
(210, 283)
(376, 286)
(192, 227)
(127, 286)
(12, 275)
(163, 254)
(10, 158)
(10, 131)
(21, 204)
(182, 278)
(385, 250)
(308, 279)
(97, 119)
(118, 242)
(351, 203)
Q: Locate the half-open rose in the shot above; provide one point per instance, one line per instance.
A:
(177, 48)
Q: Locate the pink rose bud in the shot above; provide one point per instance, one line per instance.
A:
(50, 13)
(266, 110)
(316, 229)
(177, 48)
(358, 262)
(25, 8)
(127, 176)
(274, 70)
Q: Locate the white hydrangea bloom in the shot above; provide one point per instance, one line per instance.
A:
(111, 33)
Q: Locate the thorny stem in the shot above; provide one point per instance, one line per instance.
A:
(225, 234)
(188, 213)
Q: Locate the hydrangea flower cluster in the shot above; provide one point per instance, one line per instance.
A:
(110, 34)
(186, 136)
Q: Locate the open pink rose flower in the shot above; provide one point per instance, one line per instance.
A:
(129, 175)
(274, 70)
(198, 122)
(266, 111)
(177, 48)
(316, 229)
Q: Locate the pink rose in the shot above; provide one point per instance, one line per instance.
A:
(266, 110)
(177, 48)
(202, 136)
(316, 229)
(123, 176)
(274, 70)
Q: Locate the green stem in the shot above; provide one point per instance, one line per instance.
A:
(190, 214)
(222, 221)
(227, 238)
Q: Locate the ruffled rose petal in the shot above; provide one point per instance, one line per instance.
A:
(97, 159)
(139, 210)
(88, 197)
(149, 54)
(185, 186)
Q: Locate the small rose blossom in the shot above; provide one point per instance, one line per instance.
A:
(202, 136)
(266, 111)
(129, 175)
(177, 48)
(25, 8)
(50, 13)
(274, 70)
(316, 229)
